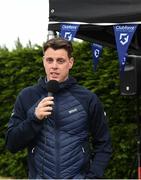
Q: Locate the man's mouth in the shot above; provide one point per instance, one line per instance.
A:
(54, 74)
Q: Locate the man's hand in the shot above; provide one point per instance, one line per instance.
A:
(44, 108)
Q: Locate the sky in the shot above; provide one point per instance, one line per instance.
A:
(23, 19)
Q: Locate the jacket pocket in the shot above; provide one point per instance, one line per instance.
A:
(86, 157)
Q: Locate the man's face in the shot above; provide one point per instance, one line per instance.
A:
(57, 64)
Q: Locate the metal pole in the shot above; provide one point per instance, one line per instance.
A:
(51, 34)
(138, 140)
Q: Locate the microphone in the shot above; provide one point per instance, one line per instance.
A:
(52, 87)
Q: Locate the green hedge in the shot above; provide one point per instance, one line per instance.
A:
(23, 66)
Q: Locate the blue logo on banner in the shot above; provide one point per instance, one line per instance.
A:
(96, 51)
(123, 35)
(68, 31)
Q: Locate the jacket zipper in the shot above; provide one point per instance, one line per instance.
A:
(44, 154)
(57, 144)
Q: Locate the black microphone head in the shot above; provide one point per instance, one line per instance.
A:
(53, 86)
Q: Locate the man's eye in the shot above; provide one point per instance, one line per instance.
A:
(49, 60)
(60, 61)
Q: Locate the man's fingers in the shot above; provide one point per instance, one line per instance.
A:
(44, 108)
(46, 102)
(42, 112)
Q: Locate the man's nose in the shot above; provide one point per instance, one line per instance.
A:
(54, 64)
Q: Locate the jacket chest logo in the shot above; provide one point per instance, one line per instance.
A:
(73, 110)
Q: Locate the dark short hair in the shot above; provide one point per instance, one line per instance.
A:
(59, 43)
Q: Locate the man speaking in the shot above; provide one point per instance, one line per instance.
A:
(54, 119)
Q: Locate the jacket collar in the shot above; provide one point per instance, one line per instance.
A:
(63, 85)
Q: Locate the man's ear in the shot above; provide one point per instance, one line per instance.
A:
(43, 61)
(71, 62)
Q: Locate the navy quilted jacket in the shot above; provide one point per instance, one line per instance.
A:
(58, 146)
